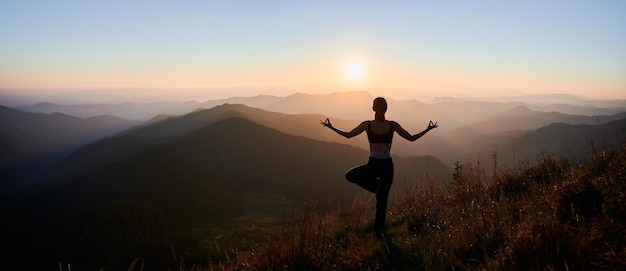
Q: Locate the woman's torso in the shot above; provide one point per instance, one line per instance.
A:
(380, 135)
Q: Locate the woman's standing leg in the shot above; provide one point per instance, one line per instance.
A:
(382, 196)
(385, 171)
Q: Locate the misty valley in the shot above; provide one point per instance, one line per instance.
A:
(100, 185)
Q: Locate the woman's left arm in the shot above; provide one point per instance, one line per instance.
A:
(403, 133)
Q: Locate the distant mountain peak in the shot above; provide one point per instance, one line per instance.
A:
(446, 100)
(44, 104)
(522, 109)
(158, 118)
(6, 108)
(337, 93)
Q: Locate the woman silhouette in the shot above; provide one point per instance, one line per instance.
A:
(377, 175)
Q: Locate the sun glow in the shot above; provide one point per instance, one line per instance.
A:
(354, 71)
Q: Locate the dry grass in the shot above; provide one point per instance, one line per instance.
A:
(554, 214)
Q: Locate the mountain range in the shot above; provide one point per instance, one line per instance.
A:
(490, 125)
(504, 130)
(351, 105)
(461, 121)
(106, 185)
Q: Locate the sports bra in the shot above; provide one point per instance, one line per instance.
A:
(379, 138)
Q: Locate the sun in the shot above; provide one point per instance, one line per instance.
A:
(354, 71)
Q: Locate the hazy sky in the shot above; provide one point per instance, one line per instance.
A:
(145, 50)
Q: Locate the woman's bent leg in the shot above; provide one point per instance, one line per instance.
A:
(363, 177)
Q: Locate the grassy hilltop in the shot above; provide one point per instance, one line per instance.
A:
(556, 213)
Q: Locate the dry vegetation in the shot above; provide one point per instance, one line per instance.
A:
(554, 214)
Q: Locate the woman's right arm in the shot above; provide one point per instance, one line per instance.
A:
(356, 131)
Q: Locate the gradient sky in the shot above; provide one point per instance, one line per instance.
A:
(146, 50)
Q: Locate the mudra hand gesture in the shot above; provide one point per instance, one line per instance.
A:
(326, 123)
(431, 125)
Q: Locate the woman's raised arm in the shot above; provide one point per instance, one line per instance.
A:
(403, 133)
(356, 131)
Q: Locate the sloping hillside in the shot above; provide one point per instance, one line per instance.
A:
(305, 125)
(522, 118)
(201, 177)
(557, 138)
(568, 139)
(101, 153)
(554, 213)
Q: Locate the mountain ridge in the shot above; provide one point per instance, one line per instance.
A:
(449, 146)
(352, 105)
(32, 141)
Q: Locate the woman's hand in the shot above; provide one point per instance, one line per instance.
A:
(326, 123)
(432, 125)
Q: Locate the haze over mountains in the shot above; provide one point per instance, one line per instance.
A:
(466, 127)
(345, 105)
(33, 141)
(463, 121)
